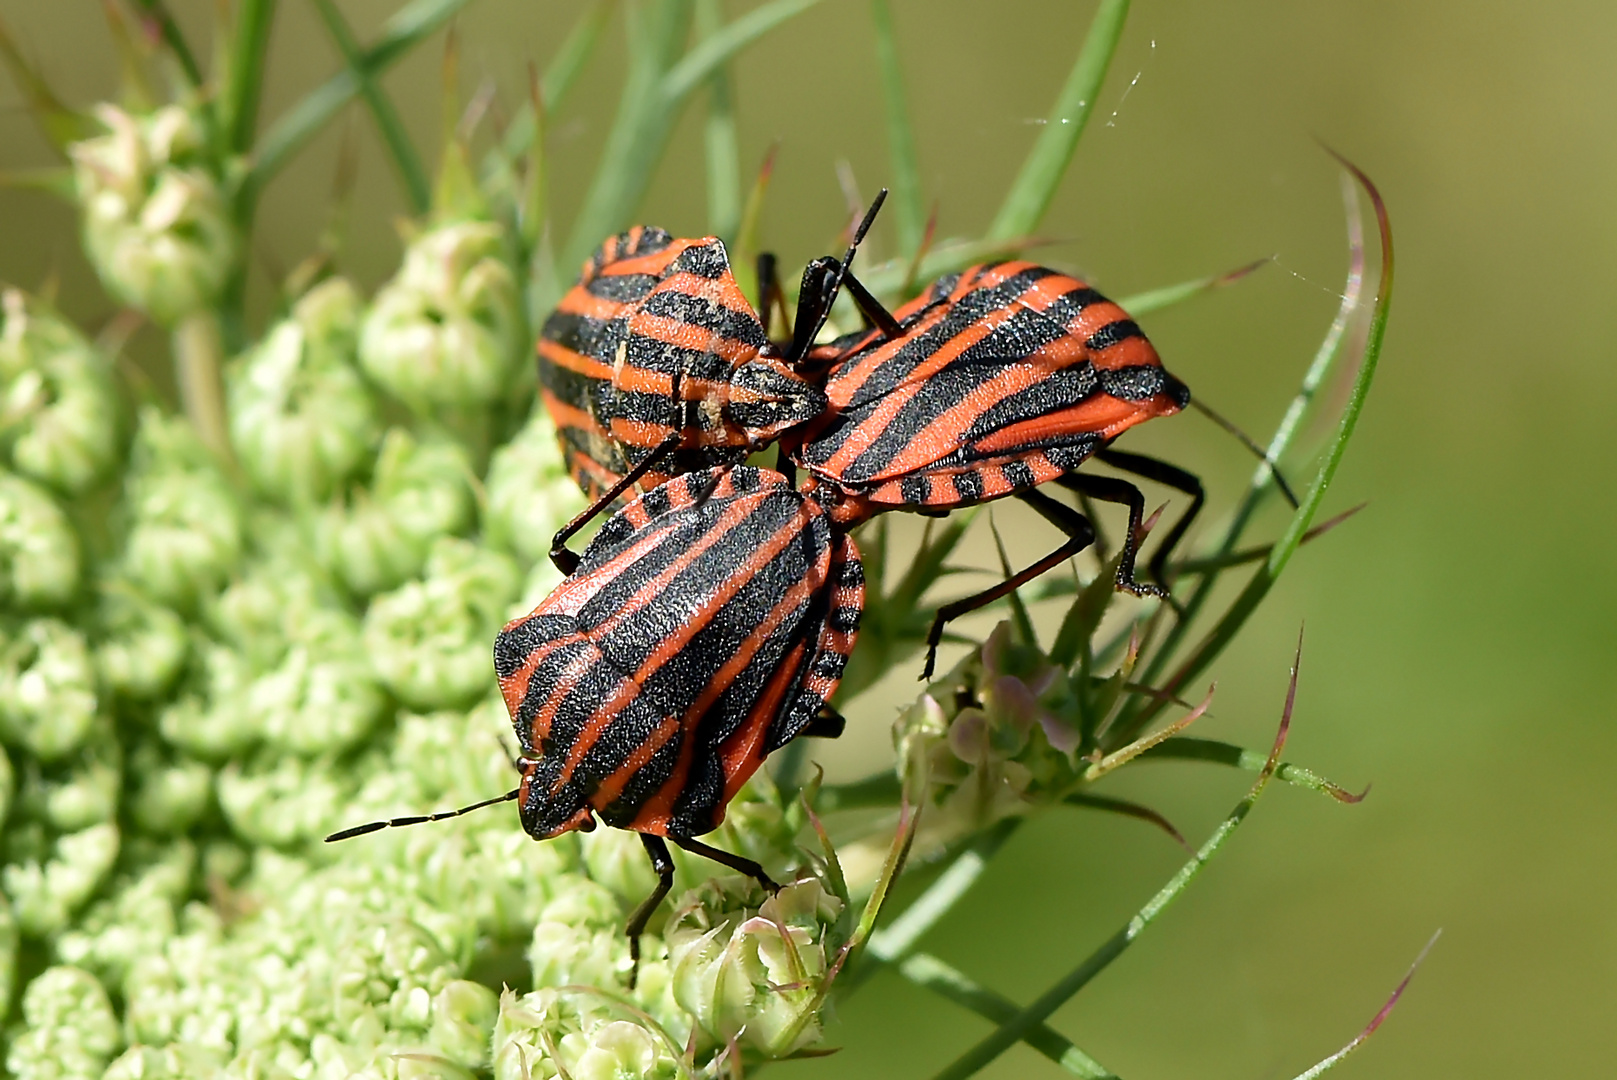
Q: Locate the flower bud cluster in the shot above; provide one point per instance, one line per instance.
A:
(156, 222)
(995, 737)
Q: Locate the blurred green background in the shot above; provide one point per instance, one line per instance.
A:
(1456, 630)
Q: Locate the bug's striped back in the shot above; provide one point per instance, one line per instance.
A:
(581, 339)
(697, 635)
(657, 337)
(1008, 375)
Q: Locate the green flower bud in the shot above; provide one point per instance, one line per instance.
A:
(39, 552)
(463, 1017)
(446, 332)
(753, 975)
(282, 805)
(88, 793)
(156, 224)
(428, 641)
(47, 689)
(420, 491)
(45, 895)
(58, 407)
(9, 939)
(323, 697)
(140, 646)
(301, 418)
(579, 939)
(530, 495)
(134, 922)
(209, 720)
(176, 1061)
(185, 533)
(551, 1033)
(169, 796)
(69, 1028)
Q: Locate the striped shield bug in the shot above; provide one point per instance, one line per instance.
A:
(1004, 377)
(657, 343)
(707, 624)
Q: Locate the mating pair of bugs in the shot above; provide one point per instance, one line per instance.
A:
(709, 621)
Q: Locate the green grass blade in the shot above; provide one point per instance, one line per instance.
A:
(908, 213)
(714, 51)
(1324, 361)
(722, 142)
(1017, 1028)
(1258, 586)
(1190, 748)
(400, 150)
(570, 57)
(244, 75)
(407, 28)
(880, 790)
(639, 131)
(945, 980)
(156, 14)
(898, 938)
(1046, 163)
(1157, 299)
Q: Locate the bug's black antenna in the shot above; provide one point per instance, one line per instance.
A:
(1247, 441)
(419, 819)
(827, 287)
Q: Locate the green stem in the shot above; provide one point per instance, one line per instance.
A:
(906, 178)
(198, 356)
(244, 77)
(167, 29)
(930, 973)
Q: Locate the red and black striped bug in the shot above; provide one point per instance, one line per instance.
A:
(1006, 376)
(707, 624)
(656, 352)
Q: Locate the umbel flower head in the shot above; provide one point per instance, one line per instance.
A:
(301, 418)
(39, 553)
(447, 332)
(156, 225)
(58, 408)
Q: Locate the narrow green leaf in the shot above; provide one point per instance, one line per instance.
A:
(168, 31)
(1190, 748)
(244, 72)
(407, 28)
(721, 139)
(1258, 586)
(879, 790)
(401, 152)
(905, 181)
(1157, 299)
(1375, 1021)
(715, 50)
(1046, 163)
(1019, 613)
(1017, 1028)
(1324, 361)
(930, 973)
(1124, 808)
(898, 938)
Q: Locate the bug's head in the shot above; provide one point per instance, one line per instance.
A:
(768, 398)
(549, 810)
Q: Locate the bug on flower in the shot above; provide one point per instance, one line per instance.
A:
(1006, 376)
(657, 344)
(707, 625)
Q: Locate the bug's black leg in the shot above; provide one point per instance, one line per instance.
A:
(1172, 476)
(1113, 490)
(827, 724)
(771, 297)
(566, 560)
(663, 864)
(735, 862)
(871, 308)
(1080, 534)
